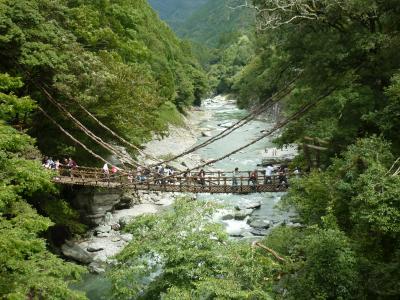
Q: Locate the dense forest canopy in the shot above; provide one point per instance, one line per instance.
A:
(109, 56)
(119, 60)
(351, 47)
(221, 35)
(176, 12)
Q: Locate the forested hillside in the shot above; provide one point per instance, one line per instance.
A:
(176, 12)
(342, 56)
(213, 23)
(220, 32)
(117, 59)
(337, 62)
(110, 57)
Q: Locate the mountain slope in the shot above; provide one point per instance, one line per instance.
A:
(117, 58)
(213, 21)
(175, 12)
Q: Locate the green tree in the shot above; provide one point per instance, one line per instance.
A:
(183, 254)
(27, 268)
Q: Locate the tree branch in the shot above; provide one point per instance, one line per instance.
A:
(269, 250)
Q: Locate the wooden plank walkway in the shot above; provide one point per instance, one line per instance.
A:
(214, 182)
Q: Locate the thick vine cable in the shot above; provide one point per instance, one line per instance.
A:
(113, 133)
(123, 158)
(84, 129)
(71, 136)
(258, 111)
(280, 125)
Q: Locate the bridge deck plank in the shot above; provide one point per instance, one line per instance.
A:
(193, 188)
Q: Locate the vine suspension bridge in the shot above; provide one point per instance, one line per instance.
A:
(181, 181)
(212, 182)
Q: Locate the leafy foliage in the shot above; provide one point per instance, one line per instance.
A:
(358, 197)
(349, 206)
(183, 254)
(27, 268)
(117, 59)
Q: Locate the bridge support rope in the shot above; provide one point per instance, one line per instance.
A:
(258, 111)
(123, 158)
(71, 136)
(280, 125)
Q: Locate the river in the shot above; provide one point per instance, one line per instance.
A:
(223, 112)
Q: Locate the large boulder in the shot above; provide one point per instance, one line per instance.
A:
(75, 252)
(242, 214)
(228, 216)
(253, 205)
(259, 231)
(96, 268)
(94, 203)
(205, 134)
(259, 223)
(236, 233)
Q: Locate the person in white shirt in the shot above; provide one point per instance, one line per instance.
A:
(268, 173)
(106, 171)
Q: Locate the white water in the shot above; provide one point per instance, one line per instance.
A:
(224, 113)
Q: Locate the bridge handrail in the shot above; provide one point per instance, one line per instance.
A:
(93, 177)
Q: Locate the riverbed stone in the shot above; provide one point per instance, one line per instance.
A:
(96, 268)
(253, 205)
(94, 203)
(295, 225)
(127, 237)
(103, 229)
(259, 223)
(205, 134)
(242, 214)
(229, 216)
(137, 210)
(259, 231)
(236, 233)
(95, 248)
(75, 252)
(115, 239)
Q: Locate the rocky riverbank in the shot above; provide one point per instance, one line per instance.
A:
(100, 244)
(244, 216)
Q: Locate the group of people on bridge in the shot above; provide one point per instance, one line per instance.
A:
(49, 163)
(276, 176)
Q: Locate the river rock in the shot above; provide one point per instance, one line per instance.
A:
(205, 134)
(242, 214)
(259, 223)
(137, 210)
(96, 268)
(247, 234)
(93, 204)
(116, 227)
(76, 253)
(225, 124)
(228, 216)
(259, 231)
(103, 229)
(115, 239)
(94, 248)
(128, 199)
(295, 225)
(236, 233)
(103, 234)
(123, 221)
(253, 205)
(127, 237)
